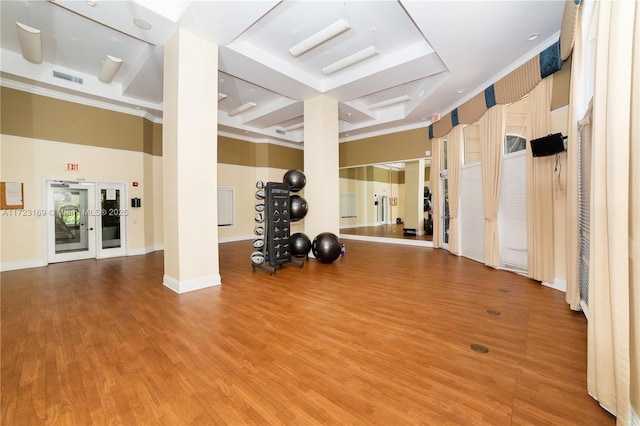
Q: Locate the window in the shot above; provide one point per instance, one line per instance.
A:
(514, 143)
(471, 212)
(512, 212)
(471, 144)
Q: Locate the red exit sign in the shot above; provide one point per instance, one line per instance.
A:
(73, 167)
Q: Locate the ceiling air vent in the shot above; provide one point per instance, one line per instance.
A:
(68, 77)
(281, 132)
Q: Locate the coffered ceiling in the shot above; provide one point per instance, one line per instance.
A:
(427, 56)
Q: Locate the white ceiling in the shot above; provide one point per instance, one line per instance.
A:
(438, 53)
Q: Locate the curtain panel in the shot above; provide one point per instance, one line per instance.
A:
(615, 136)
(492, 130)
(577, 105)
(455, 145)
(540, 180)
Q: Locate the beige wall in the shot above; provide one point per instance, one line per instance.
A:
(32, 161)
(399, 146)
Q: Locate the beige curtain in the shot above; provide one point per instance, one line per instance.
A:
(615, 125)
(492, 128)
(540, 178)
(577, 106)
(435, 191)
(455, 144)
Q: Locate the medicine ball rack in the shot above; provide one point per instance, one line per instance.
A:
(274, 227)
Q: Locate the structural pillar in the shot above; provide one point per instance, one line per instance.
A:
(190, 158)
(322, 190)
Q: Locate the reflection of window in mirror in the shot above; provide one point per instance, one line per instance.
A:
(471, 143)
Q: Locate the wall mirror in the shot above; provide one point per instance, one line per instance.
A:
(386, 200)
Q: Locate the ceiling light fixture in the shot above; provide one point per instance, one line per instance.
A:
(221, 96)
(30, 43)
(242, 108)
(320, 37)
(294, 126)
(142, 24)
(392, 101)
(351, 60)
(533, 36)
(109, 69)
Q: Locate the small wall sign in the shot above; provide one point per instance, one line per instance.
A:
(73, 167)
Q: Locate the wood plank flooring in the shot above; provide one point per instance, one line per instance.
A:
(382, 336)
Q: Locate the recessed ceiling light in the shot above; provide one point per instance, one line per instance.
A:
(460, 90)
(533, 36)
(142, 24)
(92, 3)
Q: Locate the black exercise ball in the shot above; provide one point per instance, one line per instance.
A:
(326, 247)
(298, 208)
(300, 244)
(295, 178)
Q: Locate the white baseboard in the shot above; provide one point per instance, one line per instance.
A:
(23, 264)
(236, 238)
(190, 285)
(144, 250)
(401, 241)
(557, 285)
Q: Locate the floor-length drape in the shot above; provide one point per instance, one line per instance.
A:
(435, 191)
(614, 118)
(492, 128)
(577, 107)
(454, 144)
(540, 178)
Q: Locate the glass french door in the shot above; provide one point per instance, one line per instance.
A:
(86, 220)
(445, 210)
(383, 210)
(112, 220)
(71, 221)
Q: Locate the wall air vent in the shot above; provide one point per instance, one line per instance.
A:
(281, 132)
(68, 77)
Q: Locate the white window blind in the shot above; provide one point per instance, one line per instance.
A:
(584, 205)
(512, 215)
(225, 206)
(348, 205)
(471, 212)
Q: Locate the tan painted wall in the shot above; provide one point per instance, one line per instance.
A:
(400, 146)
(32, 161)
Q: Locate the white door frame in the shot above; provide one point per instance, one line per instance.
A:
(87, 224)
(123, 212)
(93, 221)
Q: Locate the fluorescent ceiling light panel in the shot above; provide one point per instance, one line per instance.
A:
(392, 101)
(242, 108)
(351, 60)
(109, 69)
(294, 126)
(320, 37)
(221, 96)
(30, 43)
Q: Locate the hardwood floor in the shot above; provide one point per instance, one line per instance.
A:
(381, 336)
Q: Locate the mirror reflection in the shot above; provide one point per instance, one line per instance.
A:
(387, 200)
